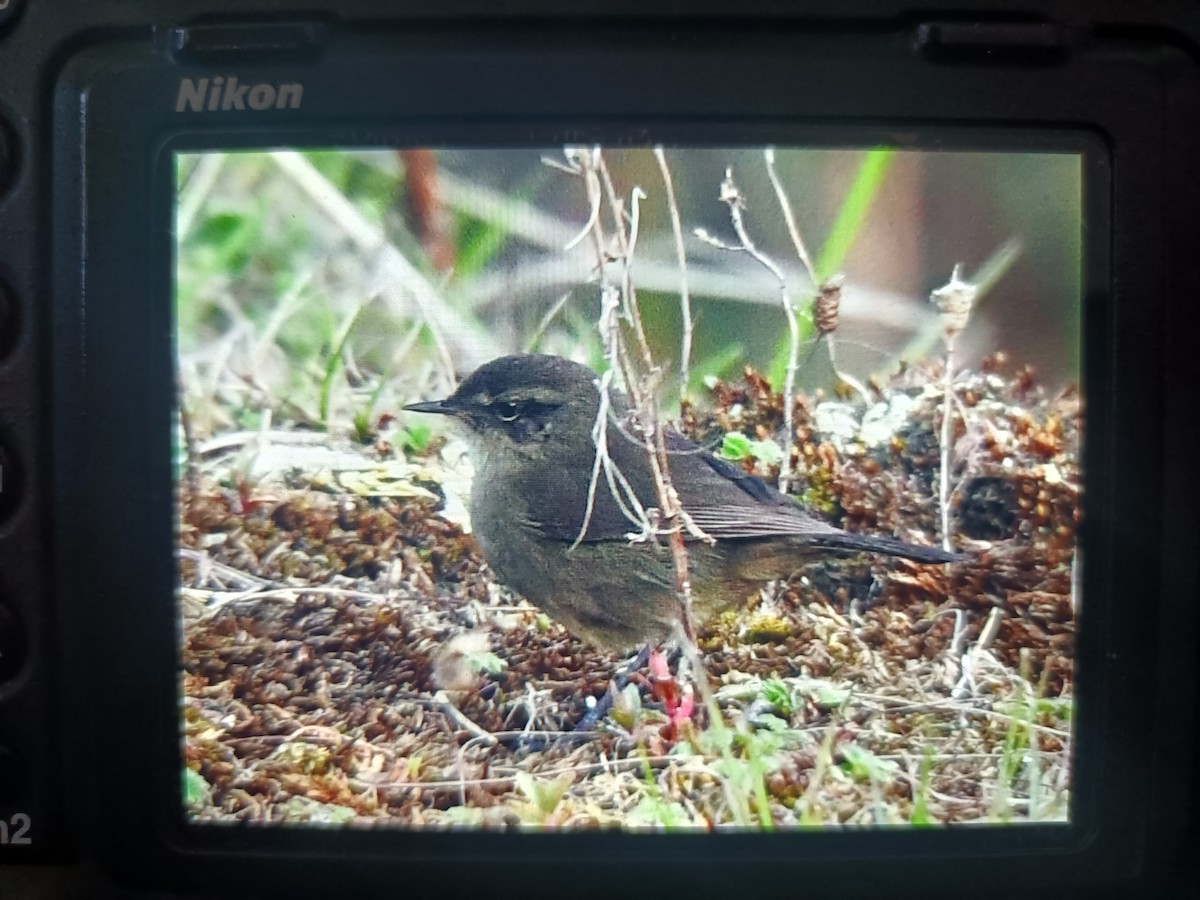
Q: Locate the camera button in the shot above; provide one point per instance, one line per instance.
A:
(235, 41)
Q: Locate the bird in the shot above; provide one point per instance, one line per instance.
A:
(565, 540)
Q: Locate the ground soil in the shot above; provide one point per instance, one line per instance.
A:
(347, 657)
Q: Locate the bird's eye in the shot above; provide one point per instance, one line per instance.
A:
(509, 412)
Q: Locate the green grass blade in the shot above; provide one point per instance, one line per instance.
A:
(846, 229)
(335, 357)
(480, 241)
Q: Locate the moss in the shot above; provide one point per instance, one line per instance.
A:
(764, 628)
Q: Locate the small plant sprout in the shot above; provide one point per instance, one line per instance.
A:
(653, 808)
(920, 810)
(336, 361)
(542, 797)
(779, 695)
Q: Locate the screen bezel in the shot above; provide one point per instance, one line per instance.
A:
(119, 405)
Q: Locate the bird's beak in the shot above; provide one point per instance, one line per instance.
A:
(442, 407)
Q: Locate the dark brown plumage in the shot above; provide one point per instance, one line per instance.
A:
(529, 421)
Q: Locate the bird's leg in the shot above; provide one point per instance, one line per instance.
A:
(615, 685)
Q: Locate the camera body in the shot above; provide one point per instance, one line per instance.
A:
(93, 100)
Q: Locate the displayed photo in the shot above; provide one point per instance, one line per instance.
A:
(647, 488)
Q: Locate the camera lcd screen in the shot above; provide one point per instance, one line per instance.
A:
(891, 336)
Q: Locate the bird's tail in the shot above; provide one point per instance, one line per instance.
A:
(865, 543)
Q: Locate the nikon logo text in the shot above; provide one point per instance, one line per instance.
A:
(225, 93)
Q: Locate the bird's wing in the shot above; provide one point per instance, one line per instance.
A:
(722, 500)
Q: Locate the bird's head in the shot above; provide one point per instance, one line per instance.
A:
(515, 404)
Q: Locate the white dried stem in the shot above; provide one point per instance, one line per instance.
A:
(945, 451)
(652, 434)
(832, 284)
(585, 166)
(600, 440)
(576, 165)
(732, 197)
(544, 324)
(954, 301)
(857, 386)
(826, 315)
(789, 217)
(971, 658)
(685, 302)
(626, 240)
(990, 629)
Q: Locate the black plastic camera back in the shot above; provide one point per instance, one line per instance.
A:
(94, 97)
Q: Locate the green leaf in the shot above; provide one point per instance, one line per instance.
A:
(767, 452)
(220, 227)
(779, 695)
(863, 765)
(827, 697)
(627, 707)
(415, 438)
(653, 810)
(736, 446)
(544, 794)
(195, 789)
(479, 242)
(772, 723)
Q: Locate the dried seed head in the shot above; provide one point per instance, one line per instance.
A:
(729, 191)
(827, 304)
(954, 300)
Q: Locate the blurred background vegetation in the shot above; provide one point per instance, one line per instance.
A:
(330, 287)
